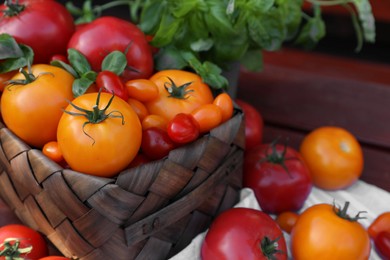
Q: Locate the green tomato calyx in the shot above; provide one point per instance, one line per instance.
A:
(343, 213)
(269, 248)
(11, 249)
(179, 92)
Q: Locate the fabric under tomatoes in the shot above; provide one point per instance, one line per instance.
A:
(118, 35)
(243, 233)
(102, 142)
(44, 25)
(278, 176)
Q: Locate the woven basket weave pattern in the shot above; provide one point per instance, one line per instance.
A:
(149, 212)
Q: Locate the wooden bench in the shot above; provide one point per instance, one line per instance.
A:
(299, 91)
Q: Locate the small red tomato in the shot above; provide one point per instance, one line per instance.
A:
(54, 258)
(244, 233)
(110, 82)
(183, 128)
(380, 224)
(382, 245)
(278, 176)
(156, 143)
(254, 124)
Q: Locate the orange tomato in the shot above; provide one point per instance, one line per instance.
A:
(286, 220)
(334, 157)
(139, 108)
(380, 224)
(32, 111)
(52, 151)
(179, 92)
(323, 232)
(104, 142)
(142, 89)
(208, 116)
(154, 121)
(225, 103)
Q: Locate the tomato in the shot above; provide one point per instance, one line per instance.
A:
(243, 233)
(4, 77)
(105, 141)
(54, 258)
(179, 92)
(34, 244)
(183, 128)
(118, 35)
(52, 151)
(225, 103)
(380, 224)
(139, 108)
(45, 26)
(208, 117)
(382, 245)
(278, 176)
(139, 160)
(254, 124)
(334, 157)
(59, 57)
(32, 111)
(142, 89)
(154, 121)
(109, 82)
(325, 232)
(156, 143)
(286, 220)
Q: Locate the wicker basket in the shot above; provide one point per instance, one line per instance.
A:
(149, 212)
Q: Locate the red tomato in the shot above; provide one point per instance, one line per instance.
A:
(254, 124)
(243, 233)
(279, 177)
(54, 258)
(45, 26)
(382, 245)
(156, 143)
(380, 224)
(109, 82)
(183, 128)
(27, 237)
(118, 34)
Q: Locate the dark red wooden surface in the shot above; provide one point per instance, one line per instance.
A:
(299, 91)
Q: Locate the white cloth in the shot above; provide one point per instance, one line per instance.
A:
(362, 197)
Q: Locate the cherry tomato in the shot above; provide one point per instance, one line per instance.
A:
(278, 176)
(104, 142)
(380, 224)
(286, 220)
(225, 103)
(208, 117)
(334, 157)
(52, 151)
(254, 124)
(139, 108)
(118, 35)
(244, 233)
(142, 89)
(325, 232)
(27, 238)
(46, 26)
(59, 57)
(32, 111)
(139, 159)
(54, 258)
(382, 245)
(179, 92)
(109, 82)
(154, 121)
(183, 128)
(156, 143)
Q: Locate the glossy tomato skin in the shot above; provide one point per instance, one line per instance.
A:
(44, 25)
(183, 128)
(380, 224)
(382, 245)
(54, 258)
(321, 234)
(197, 93)
(277, 188)
(32, 111)
(237, 233)
(156, 143)
(100, 149)
(254, 124)
(110, 82)
(106, 34)
(27, 237)
(334, 157)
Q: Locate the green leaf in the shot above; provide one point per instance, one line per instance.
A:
(292, 13)
(253, 60)
(151, 16)
(366, 18)
(183, 8)
(9, 48)
(116, 62)
(166, 32)
(80, 86)
(217, 20)
(313, 31)
(64, 66)
(25, 59)
(78, 61)
(202, 45)
(169, 58)
(90, 75)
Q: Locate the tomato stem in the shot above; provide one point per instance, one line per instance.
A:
(179, 92)
(13, 9)
(269, 248)
(13, 251)
(343, 213)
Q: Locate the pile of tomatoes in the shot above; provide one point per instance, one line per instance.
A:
(97, 105)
